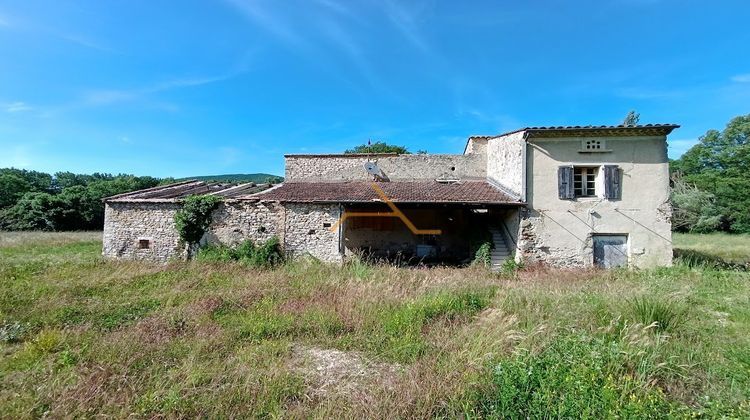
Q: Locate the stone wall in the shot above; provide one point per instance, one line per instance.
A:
(308, 231)
(476, 145)
(505, 157)
(236, 221)
(322, 168)
(126, 224)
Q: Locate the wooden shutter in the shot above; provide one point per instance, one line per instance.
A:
(565, 182)
(612, 182)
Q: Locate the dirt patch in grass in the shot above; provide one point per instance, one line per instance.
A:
(345, 373)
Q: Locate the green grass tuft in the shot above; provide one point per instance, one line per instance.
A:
(664, 315)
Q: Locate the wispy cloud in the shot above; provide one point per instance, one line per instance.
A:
(24, 25)
(316, 28)
(405, 20)
(741, 78)
(84, 42)
(268, 20)
(111, 96)
(17, 107)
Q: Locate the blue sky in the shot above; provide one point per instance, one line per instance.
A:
(196, 87)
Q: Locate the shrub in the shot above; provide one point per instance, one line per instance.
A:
(694, 210)
(665, 315)
(192, 220)
(215, 253)
(510, 266)
(483, 256)
(269, 254)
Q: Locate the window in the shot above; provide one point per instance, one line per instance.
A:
(593, 145)
(584, 181)
(144, 244)
(589, 181)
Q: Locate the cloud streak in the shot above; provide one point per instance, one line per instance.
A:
(405, 21)
(741, 78)
(17, 107)
(267, 20)
(112, 96)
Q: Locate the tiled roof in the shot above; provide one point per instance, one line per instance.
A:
(178, 190)
(468, 192)
(612, 130)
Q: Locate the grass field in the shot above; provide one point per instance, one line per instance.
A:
(82, 337)
(732, 248)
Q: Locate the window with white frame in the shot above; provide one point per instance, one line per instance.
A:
(589, 181)
(584, 181)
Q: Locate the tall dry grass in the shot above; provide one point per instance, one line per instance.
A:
(85, 337)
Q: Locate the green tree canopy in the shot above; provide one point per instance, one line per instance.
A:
(378, 147)
(720, 165)
(31, 200)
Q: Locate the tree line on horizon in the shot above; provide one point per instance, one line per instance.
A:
(33, 200)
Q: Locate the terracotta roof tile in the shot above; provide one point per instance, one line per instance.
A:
(476, 192)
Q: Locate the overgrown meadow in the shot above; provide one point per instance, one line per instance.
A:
(83, 337)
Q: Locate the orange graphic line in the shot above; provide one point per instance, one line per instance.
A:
(395, 212)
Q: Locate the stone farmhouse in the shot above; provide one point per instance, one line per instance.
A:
(563, 196)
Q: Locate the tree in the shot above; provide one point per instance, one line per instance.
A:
(378, 147)
(39, 181)
(33, 200)
(693, 210)
(31, 212)
(720, 164)
(12, 187)
(631, 119)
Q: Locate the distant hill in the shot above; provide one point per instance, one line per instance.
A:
(256, 178)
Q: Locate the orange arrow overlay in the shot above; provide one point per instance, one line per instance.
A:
(395, 212)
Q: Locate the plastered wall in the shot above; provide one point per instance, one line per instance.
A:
(559, 232)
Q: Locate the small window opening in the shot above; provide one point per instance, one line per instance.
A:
(262, 229)
(326, 225)
(584, 181)
(311, 232)
(593, 145)
(144, 244)
(453, 168)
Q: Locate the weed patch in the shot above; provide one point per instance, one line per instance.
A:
(575, 377)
